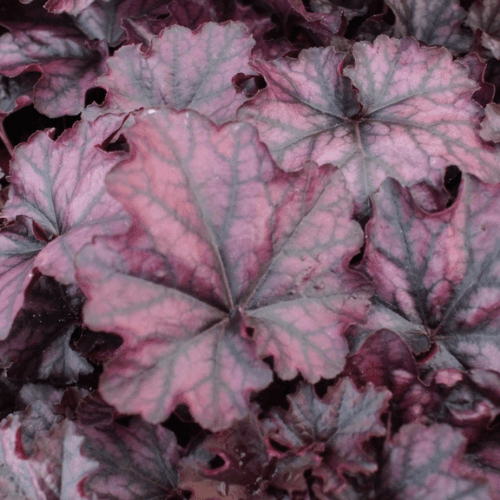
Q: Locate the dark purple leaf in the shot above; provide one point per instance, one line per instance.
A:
(38, 347)
(133, 463)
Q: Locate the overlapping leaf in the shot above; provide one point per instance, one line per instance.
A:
(424, 462)
(485, 15)
(439, 271)
(184, 69)
(248, 468)
(229, 261)
(58, 197)
(50, 470)
(69, 65)
(414, 117)
(105, 19)
(335, 427)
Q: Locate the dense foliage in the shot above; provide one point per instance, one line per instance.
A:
(250, 249)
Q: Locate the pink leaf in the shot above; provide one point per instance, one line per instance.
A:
(416, 118)
(69, 65)
(184, 69)
(50, 470)
(59, 184)
(423, 462)
(229, 260)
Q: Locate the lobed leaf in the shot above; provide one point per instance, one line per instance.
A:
(337, 426)
(244, 271)
(438, 270)
(414, 117)
(59, 184)
(68, 64)
(184, 69)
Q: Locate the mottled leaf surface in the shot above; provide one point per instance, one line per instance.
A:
(69, 65)
(243, 272)
(49, 470)
(422, 462)
(439, 271)
(184, 69)
(59, 184)
(336, 426)
(414, 116)
(433, 22)
(133, 462)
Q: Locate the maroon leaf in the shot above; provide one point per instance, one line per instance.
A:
(385, 361)
(244, 271)
(433, 22)
(245, 469)
(438, 271)
(185, 70)
(39, 343)
(417, 115)
(133, 463)
(423, 462)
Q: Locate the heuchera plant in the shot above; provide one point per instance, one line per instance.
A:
(250, 249)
